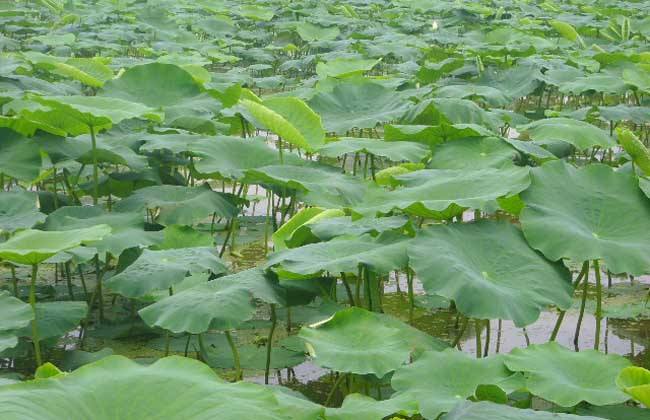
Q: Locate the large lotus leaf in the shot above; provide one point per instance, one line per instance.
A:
(15, 313)
(290, 118)
(184, 389)
(174, 142)
(20, 157)
(565, 377)
(158, 270)
(153, 84)
(127, 229)
(361, 407)
(358, 103)
(442, 193)
(326, 229)
(358, 341)
(580, 134)
(179, 205)
(56, 318)
(635, 381)
(395, 151)
(310, 32)
(344, 67)
(486, 410)
(213, 305)
(473, 153)
(576, 213)
(449, 112)
(321, 185)
(424, 134)
(596, 82)
(96, 111)
(380, 255)
(108, 150)
(531, 148)
(488, 94)
(489, 270)
(439, 380)
(230, 157)
(35, 246)
(18, 210)
(89, 71)
(252, 356)
(296, 230)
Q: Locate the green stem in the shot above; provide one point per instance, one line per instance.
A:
(499, 329)
(347, 289)
(95, 168)
(14, 280)
(235, 356)
(334, 388)
(582, 310)
(269, 344)
(477, 330)
(599, 301)
(32, 302)
(560, 318)
(409, 281)
(461, 331)
(487, 338)
(68, 278)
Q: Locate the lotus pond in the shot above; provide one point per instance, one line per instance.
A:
(411, 209)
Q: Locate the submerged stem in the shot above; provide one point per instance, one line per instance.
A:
(269, 344)
(582, 309)
(599, 300)
(235, 356)
(32, 302)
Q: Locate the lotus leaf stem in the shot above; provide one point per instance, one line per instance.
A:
(582, 309)
(599, 302)
(32, 302)
(269, 344)
(235, 356)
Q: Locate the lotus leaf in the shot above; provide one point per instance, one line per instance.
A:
(158, 270)
(501, 279)
(438, 381)
(18, 210)
(635, 381)
(575, 213)
(566, 378)
(35, 246)
(358, 341)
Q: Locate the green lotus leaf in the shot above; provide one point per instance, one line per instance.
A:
(92, 111)
(450, 112)
(361, 407)
(213, 305)
(16, 315)
(230, 157)
(154, 84)
(505, 280)
(295, 226)
(490, 411)
(424, 134)
(638, 77)
(185, 388)
(439, 380)
(127, 229)
(473, 153)
(442, 193)
(636, 149)
(575, 213)
(531, 148)
(54, 319)
(566, 378)
(253, 357)
(613, 412)
(179, 205)
(345, 67)
(329, 228)
(89, 71)
(159, 270)
(636, 114)
(290, 118)
(35, 246)
(310, 32)
(488, 94)
(357, 341)
(320, 185)
(20, 157)
(177, 236)
(580, 134)
(635, 381)
(395, 151)
(380, 255)
(18, 210)
(358, 103)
